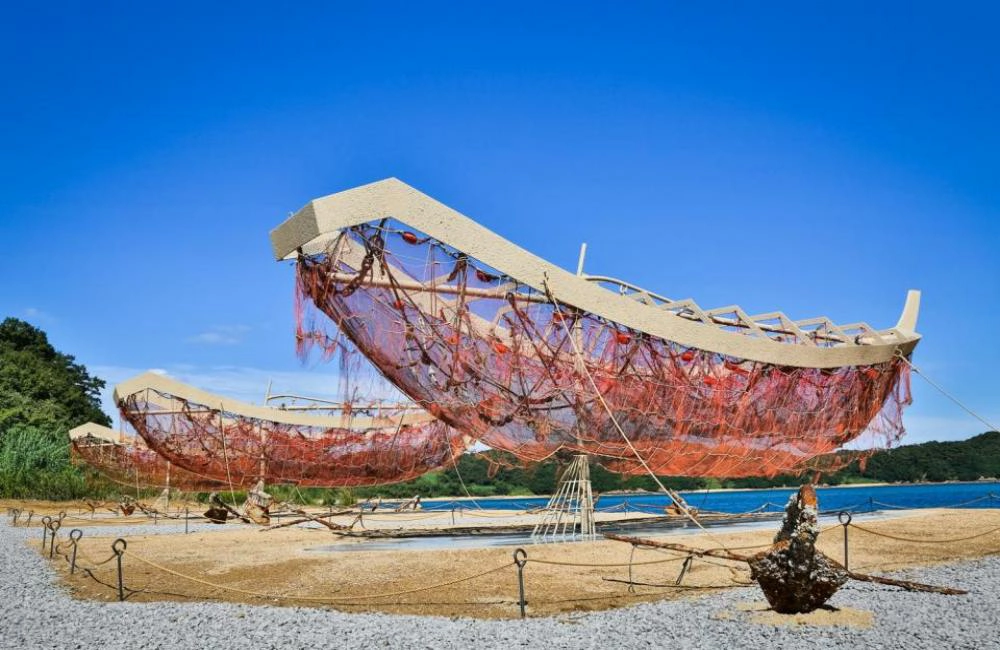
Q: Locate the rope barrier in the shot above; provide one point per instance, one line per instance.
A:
(923, 541)
(119, 552)
(329, 599)
(605, 566)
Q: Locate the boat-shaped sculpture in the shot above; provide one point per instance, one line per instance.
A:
(529, 358)
(239, 443)
(128, 461)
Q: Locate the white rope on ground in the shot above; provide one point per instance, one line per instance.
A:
(683, 507)
(941, 390)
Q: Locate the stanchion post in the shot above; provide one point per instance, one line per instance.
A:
(453, 515)
(185, 520)
(74, 537)
(54, 526)
(46, 520)
(684, 569)
(520, 559)
(845, 519)
(31, 513)
(119, 547)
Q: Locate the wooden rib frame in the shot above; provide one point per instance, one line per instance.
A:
(320, 221)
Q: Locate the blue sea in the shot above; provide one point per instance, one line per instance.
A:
(831, 499)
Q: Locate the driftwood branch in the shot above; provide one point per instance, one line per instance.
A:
(729, 555)
(680, 548)
(308, 517)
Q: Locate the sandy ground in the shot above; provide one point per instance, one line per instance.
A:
(299, 566)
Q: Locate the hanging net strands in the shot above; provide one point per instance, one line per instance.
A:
(467, 325)
(239, 444)
(128, 461)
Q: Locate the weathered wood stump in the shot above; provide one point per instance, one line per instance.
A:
(257, 506)
(794, 576)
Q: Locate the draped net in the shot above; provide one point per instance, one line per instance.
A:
(133, 464)
(236, 449)
(513, 368)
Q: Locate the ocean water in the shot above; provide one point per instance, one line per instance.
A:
(831, 499)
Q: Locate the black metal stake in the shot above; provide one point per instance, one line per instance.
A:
(453, 515)
(520, 559)
(120, 552)
(46, 520)
(684, 568)
(74, 537)
(845, 519)
(54, 526)
(185, 520)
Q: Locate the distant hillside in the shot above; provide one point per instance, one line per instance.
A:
(965, 460)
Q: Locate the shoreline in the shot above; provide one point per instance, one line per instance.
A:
(702, 491)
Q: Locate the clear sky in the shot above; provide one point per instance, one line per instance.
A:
(818, 160)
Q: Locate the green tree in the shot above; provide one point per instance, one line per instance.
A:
(43, 394)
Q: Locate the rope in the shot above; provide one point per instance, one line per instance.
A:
(923, 541)
(941, 390)
(576, 350)
(225, 455)
(327, 599)
(606, 566)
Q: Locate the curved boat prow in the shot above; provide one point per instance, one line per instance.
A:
(911, 309)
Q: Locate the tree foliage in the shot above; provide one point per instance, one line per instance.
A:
(43, 394)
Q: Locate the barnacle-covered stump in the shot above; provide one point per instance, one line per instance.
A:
(793, 575)
(217, 512)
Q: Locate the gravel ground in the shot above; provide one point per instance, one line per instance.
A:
(36, 613)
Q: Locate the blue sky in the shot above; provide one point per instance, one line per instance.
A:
(817, 160)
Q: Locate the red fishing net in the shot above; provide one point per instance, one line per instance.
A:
(351, 450)
(133, 464)
(510, 367)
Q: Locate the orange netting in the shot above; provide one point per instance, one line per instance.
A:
(134, 464)
(493, 358)
(240, 450)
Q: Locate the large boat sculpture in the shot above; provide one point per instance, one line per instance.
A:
(239, 443)
(529, 358)
(125, 459)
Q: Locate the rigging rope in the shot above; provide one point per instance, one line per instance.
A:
(582, 363)
(941, 390)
